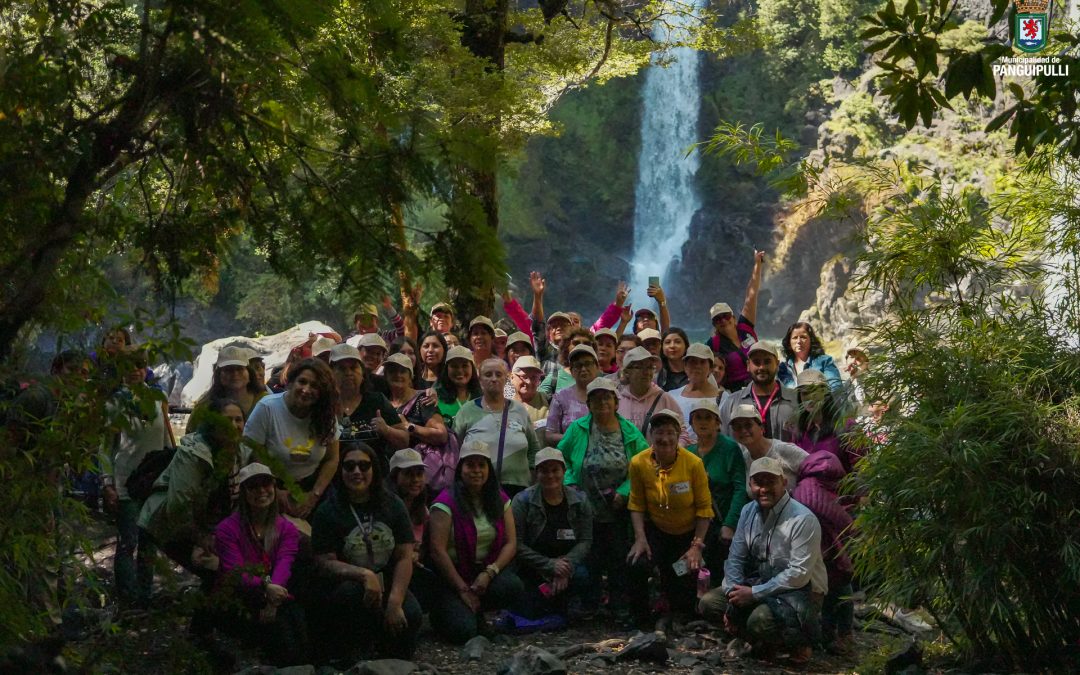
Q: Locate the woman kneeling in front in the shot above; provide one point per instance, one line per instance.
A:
(472, 541)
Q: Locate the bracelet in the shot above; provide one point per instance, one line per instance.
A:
(700, 543)
(492, 570)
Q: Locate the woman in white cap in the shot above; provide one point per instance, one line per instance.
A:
(699, 386)
(457, 384)
(481, 339)
(598, 449)
(234, 378)
(423, 422)
(365, 414)
(561, 378)
(363, 544)
(473, 541)
(408, 480)
(733, 335)
(570, 404)
(257, 548)
(554, 533)
(503, 424)
(607, 343)
(671, 509)
(299, 430)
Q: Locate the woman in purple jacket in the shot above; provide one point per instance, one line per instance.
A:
(257, 548)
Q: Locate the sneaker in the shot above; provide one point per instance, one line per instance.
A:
(738, 648)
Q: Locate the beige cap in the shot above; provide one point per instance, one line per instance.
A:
(645, 310)
(745, 411)
(601, 384)
(527, 363)
(638, 354)
(666, 412)
(518, 337)
(607, 332)
(232, 356)
(482, 321)
(254, 356)
(400, 360)
(720, 308)
(441, 307)
(474, 448)
(500, 333)
(559, 315)
(549, 454)
(854, 346)
(322, 344)
(459, 352)
(581, 349)
(810, 378)
(405, 458)
(706, 404)
(762, 346)
(342, 352)
(649, 334)
(766, 465)
(699, 351)
(252, 470)
(367, 309)
(370, 340)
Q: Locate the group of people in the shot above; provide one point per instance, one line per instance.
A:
(524, 476)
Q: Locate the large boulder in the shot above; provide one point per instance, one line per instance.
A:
(273, 348)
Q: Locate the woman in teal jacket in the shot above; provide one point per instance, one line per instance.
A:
(598, 448)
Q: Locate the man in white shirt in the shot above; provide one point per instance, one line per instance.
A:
(774, 577)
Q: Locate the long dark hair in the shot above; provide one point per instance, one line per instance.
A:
(828, 410)
(365, 384)
(378, 490)
(213, 427)
(446, 390)
(418, 381)
(217, 391)
(270, 530)
(674, 330)
(815, 343)
(418, 508)
(491, 503)
(324, 412)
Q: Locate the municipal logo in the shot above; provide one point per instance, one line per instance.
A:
(1032, 25)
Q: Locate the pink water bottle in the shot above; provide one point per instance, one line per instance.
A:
(704, 581)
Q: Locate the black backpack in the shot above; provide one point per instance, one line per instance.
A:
(140, 484)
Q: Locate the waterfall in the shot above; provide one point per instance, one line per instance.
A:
(665, 199)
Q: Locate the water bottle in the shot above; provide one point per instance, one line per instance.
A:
(704, 581)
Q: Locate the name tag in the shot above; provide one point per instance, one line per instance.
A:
(565, 535)
(540, 424)
(680, 488)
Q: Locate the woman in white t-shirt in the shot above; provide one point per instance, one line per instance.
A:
(698, 364)
(299, 430)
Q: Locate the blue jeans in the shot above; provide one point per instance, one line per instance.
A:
(133, 563)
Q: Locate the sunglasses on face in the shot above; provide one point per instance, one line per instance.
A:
(350, 465)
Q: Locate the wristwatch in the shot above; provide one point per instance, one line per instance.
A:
(411, 429)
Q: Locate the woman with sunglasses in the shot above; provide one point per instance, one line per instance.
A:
(363, 543)
(257, 548)
(473, 541)
(733, 335)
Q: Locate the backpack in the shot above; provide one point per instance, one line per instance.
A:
(440, 461)
(140, 484)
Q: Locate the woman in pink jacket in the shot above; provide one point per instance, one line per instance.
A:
(257, 548)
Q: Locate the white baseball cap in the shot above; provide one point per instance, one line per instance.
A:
(343, 351)
(549, 454)
(649, 334)
(720, 308)
(369, 340)
(406, 459)
(232, 356)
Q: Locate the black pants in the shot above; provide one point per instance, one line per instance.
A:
(607, 557)
(284, 639)
(666, 550)
(346, 624)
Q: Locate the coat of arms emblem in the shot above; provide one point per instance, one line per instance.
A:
(1032, 24)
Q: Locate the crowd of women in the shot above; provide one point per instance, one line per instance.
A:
(514, 475)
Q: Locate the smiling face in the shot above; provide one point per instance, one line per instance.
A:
(584, 369)
(493, 377)
(674, 346)
(767, 489)
(747, 431)
(356, 472)
(722, 322)
(410, 482)
(526, 381)
(481, 339)
(719, 369)
(557, 329)
(372, 357)
(259, 492)
(397, 377)
(763, 367)
(235, 415)
(602, 405)
(349, 375)
(799, 342)
(664, 438)
(460, 371)
(704, 423)
(431, 351)
(442, 321)
(698, 370)
(234, 379)
(550, 474)
(474, 472)
(605, 349)
(304, 389)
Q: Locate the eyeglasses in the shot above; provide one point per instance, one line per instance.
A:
(349, 465)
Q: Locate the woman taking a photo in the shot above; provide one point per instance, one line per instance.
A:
(257, 548)
(598, 448)
(473, 541)
(363, 544)
(299, 430)
(569, 404)
(457, 383)
(803, 351)
(503, 425)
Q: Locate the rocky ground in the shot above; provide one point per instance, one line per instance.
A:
(154, 641)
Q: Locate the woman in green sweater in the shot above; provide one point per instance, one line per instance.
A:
(727, 477)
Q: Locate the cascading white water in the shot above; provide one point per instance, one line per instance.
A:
(665, 198)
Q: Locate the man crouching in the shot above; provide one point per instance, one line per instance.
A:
(774, 577)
